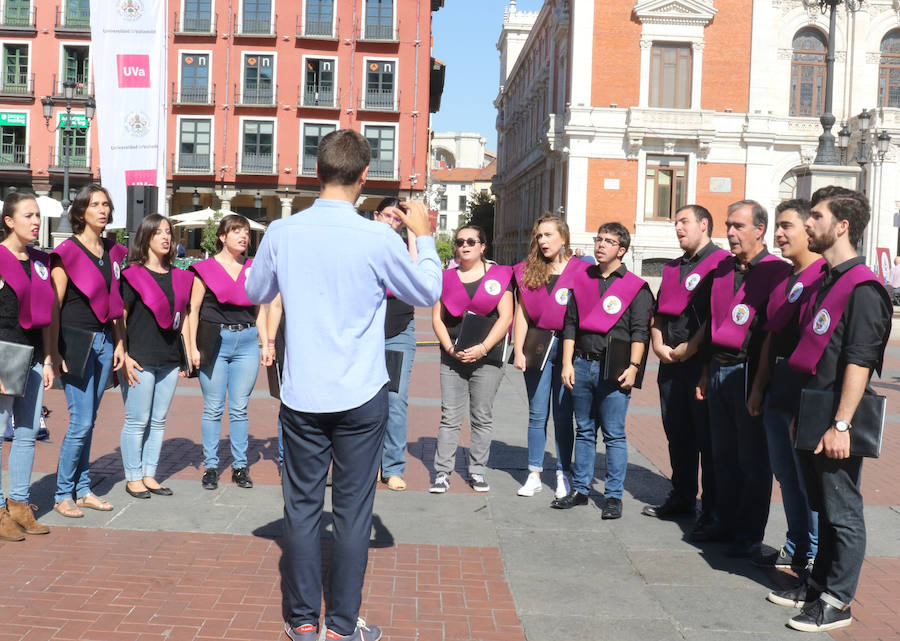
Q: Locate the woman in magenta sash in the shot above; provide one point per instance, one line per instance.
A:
(26, 309)
(155, 296)
(472, 375)
(228, 330)
(544, 279)
(85, 270)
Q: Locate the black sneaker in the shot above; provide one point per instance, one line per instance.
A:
(210, 479)
(570, 500)
(795, 597)
(477, 483)
(819, 616)
(781, 559)
(241, 477)
(612, 509)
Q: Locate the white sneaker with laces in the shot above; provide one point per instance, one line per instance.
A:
(532, 485)
(562, 485)
(441, 484)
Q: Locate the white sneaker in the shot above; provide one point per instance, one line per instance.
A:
(562, 485)
(441, 484)
(532, 485)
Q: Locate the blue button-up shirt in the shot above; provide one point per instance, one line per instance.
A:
(331, 267)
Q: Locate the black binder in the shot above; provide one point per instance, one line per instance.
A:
(75, 347)
(209, 338)
(618, 359)
(15, 363)
(817, 409)
(537, 347)
(473, 329)
(184, 359)
(394, 361)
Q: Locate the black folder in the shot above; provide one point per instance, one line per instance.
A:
(394, 361)
(184, 359)
(473, 329)
(273, 376)
(75, 346)
(15, 363)
(618, 359)
(536, 347)
(209, 338)
(817, 409)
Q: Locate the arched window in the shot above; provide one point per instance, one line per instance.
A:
(889, 70)
(443, 159)
(808, 73)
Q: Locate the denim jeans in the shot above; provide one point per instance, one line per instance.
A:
(234, 371)
(146, 406)
(393, 457)
(740, 455)
(803, 523)
(83, 398)
(545, 392)
(26, 412)
(598, 403)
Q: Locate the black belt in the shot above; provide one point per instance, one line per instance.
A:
(595, 356)
(236, 327)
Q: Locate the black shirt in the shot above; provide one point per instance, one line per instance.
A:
(211, 310)
(679, 329)
(754, 338)
(148, 343)
(76, 307)
(397, 316)
(452, 322)
(10, 329)
(633, 325)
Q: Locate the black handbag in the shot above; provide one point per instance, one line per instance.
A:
(817, 409)
(75, 346)
(15, 362)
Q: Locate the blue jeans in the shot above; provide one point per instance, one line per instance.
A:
(83, 398)
(146, 406)
(234, 371)
(26, 411)
(545, 391)
(598, 403)
(393, 457)
(803, 523)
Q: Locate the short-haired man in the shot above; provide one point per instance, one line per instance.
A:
(331, 267)
(780, 401)
(608, 302)
(739, 292)
(682, 310)
(852, 311)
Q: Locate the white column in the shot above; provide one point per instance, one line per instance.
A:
(287, 205)
(644, 95)
(696, 74)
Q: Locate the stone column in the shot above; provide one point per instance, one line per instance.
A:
(287, 206)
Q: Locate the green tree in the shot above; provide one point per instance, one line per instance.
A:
(444, 249)
(209, 234)
(481, 213)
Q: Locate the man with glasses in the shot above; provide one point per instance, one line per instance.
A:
(608, 303)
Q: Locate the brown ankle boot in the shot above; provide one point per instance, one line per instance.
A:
(9, 529)
(23, 514)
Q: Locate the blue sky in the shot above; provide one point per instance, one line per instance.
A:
(465, 38)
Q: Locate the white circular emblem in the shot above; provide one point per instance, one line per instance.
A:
(176, 321)
(562, 296)
(116, 270)
(612, 304)
(492, 287)
(691, 282)
(796, 291)
(740, 314)
(822, 322)
(41, 270)
(137, 123)
(130, 9)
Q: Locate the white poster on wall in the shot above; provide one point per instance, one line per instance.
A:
(128, 54)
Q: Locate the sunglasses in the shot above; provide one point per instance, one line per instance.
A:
(471, 242)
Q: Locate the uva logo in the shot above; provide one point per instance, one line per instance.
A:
(134, 70)
(137, 123)
(130, 9)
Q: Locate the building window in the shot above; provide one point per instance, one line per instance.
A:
(379, 19)
(319, 16)
(78, 13)
(670, 75)
(889, 70)
(808, 73)
(318, 88)
(380, 85)
(259, 86)
(442, 222)
(257, 17)
(312, 134)
(194, 78)
(257, 145)
(197, 16)
(76, 63)
(664, 186)
(381, 140)
(78, 141)
(17, 13)
(15, 69)
(462, 203)
(442, 203)
(13, 152)
(195, 144)
(443, 159)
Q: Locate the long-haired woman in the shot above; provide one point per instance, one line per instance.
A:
(229, 330)
(26, 310)
(544, 279)
(155, 295)
(471, 375)
(85, 270)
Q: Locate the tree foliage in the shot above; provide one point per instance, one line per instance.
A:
(481, 213)
(208, 244)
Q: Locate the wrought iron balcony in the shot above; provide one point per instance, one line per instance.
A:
(196, 25)
(380, 100)
(255, 27)
(194, 164)
(83, 88)
(17, 86)
(255, 96)
(319, 96)
(13, 156)
(318, 29)
(193, 95)
(258, 164)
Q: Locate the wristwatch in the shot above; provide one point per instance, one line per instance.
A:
(841, 426)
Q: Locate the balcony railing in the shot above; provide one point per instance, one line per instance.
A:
(318, 29)
(379, 100)
(382, 168)
(258, 164)
(194, 164)
(255, 27)
(195, 24)
(193, 95)
(378, 32)
(18, 19)
(17, 85)
(78, 158)
(319, 96)
(14, 156)
(83, 88)
(307, 163)
(255, 96)
(74, 19)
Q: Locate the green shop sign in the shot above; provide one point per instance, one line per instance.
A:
(79, 121)
(8, 119)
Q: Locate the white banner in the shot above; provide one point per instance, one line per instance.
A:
(128, 54)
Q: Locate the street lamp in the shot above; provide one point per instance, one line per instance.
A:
(195, 199)
(64, 228)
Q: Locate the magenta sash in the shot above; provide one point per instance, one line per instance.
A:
(733, 313)
(226, 289)
(783, 304)
(674, 294)
(548, 311)
(597, 314)
(35, 294)
(154, 297)
(817, 324)
(85, 275)
(491, 289)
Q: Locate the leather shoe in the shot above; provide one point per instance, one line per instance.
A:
(668, 510)
(161, 490)
(569, 501)
(612, 509)
(143, 494)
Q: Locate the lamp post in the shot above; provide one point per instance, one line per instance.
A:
(64, 228)
(195, 200)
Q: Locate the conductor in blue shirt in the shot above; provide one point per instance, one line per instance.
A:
(332, 268)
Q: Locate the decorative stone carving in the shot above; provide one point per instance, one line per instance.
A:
(873, 58)
(633, 143)
(785, 54)
(675, 12)
(704, 145)
(669, 147)
(840, 56)
(807, 154)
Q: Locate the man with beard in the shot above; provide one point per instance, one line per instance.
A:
(844, 332)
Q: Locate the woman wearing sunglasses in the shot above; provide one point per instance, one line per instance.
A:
(472, 374)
